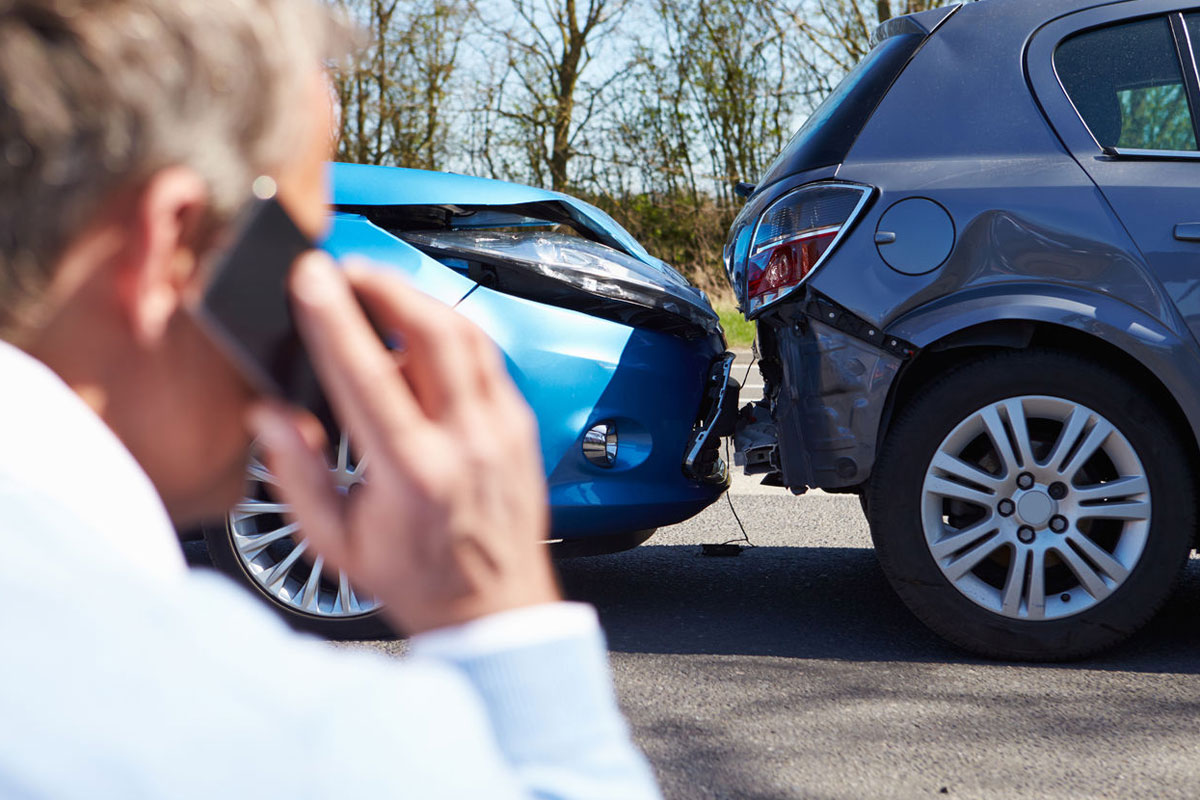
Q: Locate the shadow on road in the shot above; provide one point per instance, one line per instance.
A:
(810, 602)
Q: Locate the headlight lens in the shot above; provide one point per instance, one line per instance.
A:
(576, 273)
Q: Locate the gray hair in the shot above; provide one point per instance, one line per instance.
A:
(96, 95)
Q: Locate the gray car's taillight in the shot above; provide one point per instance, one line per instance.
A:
(795, 235)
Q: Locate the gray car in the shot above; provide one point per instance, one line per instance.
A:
(976, 277)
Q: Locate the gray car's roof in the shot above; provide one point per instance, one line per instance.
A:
(1054, 7)
(1033, 12)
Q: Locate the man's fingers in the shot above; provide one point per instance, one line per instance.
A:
(441, 354)
(357, 372)
(302, 478)
(490, 371)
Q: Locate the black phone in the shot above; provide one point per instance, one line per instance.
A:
(247, 310)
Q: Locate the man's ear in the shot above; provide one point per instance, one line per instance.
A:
(162, 248)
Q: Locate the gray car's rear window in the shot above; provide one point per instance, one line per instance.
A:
(828, 134)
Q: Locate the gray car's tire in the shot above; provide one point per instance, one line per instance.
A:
(1053, 553)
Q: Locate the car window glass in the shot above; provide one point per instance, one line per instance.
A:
(830, 131)
(1193, 28)
(1127, 84)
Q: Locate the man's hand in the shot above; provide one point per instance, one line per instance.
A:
(449, 526)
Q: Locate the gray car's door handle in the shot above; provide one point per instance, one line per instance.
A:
(1188, 231)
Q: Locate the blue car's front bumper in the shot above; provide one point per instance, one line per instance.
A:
(576, 371)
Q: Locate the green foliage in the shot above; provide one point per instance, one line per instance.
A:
(738, 332)
(1156, 118)
(686, 230)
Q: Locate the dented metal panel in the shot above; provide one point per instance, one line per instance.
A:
(835, 387)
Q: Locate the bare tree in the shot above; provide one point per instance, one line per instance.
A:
(551, 46)
(836, 34)
(395, 93)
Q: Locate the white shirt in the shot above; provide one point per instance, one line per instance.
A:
(123, 674)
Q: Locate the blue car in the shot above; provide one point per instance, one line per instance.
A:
(621, 359)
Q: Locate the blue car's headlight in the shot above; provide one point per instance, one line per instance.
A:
(576, 273)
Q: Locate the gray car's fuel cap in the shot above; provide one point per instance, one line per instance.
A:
(915, 236)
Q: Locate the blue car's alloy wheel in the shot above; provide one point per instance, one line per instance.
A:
(259, 546)
(1032, 505)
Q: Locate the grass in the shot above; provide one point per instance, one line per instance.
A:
(738, 332)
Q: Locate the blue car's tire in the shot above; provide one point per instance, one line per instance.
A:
(1032, 505)
(258, 547)
(226, 558)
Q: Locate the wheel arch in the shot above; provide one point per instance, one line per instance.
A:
(1101, 329)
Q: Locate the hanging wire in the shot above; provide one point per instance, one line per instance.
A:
(728, 460)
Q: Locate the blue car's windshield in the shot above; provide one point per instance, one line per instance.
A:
(827, 135)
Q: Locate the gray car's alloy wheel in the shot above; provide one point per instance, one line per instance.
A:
(1032, 505)
(258, 546)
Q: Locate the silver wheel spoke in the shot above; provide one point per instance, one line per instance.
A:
(311, 593)
(955, 570)
(1096, 554)
(998, 433)
(1036, 601)
(280, 571)
(1020, 431)
(1095, 438)
(256, 544)
(261, 507)
(956, 491)
(1068, 437)
(260, 473)
(344, 593)
(957, 468)
(1027, 564)
(1014, 585)
(1088, 578)
(964, 538)
(343, 454)
(1129, 510)
(1113, 490)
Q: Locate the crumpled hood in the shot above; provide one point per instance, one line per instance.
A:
(364, 185)
(448, 216)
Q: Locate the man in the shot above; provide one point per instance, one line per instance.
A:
(131, 132)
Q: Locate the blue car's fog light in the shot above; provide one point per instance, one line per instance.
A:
(600, 444)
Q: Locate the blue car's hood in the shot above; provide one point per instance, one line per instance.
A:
(461, 220)
(364, 185)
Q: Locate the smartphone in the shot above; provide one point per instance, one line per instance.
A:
(247, 310)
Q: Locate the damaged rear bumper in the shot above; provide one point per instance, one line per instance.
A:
(828, 376)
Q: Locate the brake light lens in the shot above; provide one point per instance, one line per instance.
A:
(795, 235)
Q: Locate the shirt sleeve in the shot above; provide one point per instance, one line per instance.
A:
(542, 674)
(508, 630)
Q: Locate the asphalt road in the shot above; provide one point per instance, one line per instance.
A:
(791, 671)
